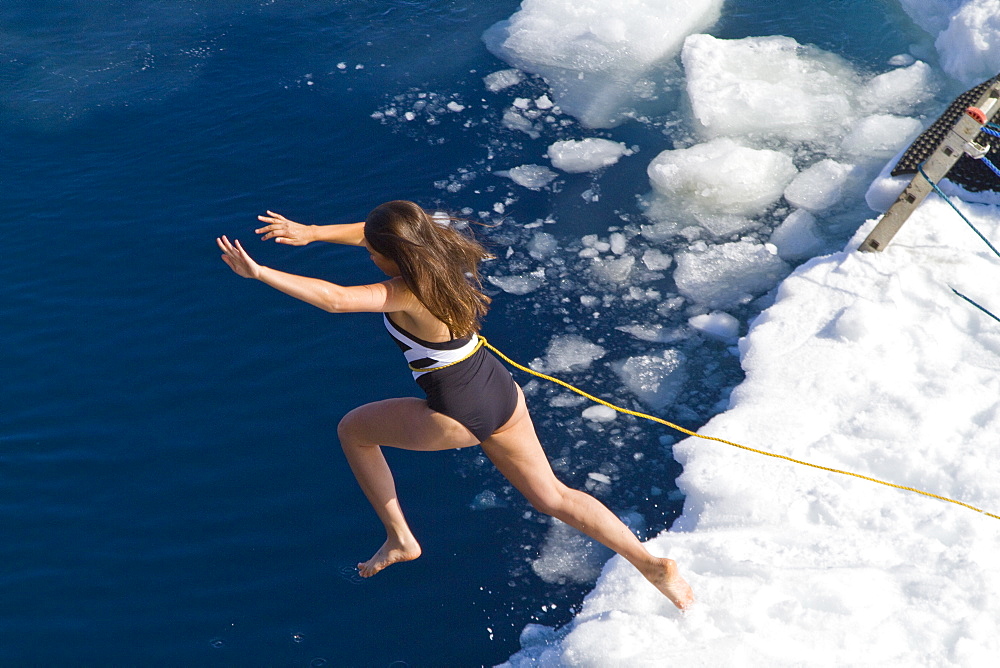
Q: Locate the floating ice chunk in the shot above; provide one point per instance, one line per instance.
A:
(723, 225)
(902, 60)
(534, 177)
(543, 102)
(880, 136)
(566, 400)
(618, 243)
(899, 91)
(722, 177)
(568, 352)
(728, 274)
(767, 86)
(613, 270)
(653, 333)
(797, 238)
(820, 186)
(593, 53)
(519, 285)
(717, 325)
(660, 232)
(656, 380)
(442, 218)
(600, 413)
(455, 107)
(599, 477)
(498, 81)
(542, 245)
(515, 121)
(585, 155)
(656, 260)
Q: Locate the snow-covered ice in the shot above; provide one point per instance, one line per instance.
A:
(868, 363)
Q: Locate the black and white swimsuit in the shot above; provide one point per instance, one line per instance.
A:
(461, 379)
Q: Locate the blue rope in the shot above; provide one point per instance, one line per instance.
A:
(975, 304)
(968, 222)
(986, 161)
(992, 129)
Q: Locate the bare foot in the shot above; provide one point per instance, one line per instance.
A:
(667, 578)
(390, 553)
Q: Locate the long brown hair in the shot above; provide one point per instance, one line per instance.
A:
(438, 263)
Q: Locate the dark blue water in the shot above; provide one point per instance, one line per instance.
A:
(173, 492)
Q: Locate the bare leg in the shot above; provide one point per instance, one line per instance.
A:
(518, 455)
(401, 423)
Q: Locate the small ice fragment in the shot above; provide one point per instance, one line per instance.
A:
(717, 325)
(599, 477)
(585, 155)
(599, 413)
(497, 81)
(534, 177)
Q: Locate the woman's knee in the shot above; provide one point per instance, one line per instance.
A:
(351, 426)
(551, 501)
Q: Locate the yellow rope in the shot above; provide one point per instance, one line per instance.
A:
(722, 440)
(479, 344)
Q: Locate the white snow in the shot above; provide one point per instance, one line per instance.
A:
(966, 35)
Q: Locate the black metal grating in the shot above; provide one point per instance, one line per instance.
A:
(968, 172)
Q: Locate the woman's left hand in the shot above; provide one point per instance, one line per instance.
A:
(238, 259)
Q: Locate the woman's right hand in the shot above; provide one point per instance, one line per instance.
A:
(284, 231)
(237, 258)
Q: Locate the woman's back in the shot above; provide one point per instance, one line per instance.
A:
(416, 318)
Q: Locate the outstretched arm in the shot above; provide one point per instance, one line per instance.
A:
(378, 297)
(285, 231)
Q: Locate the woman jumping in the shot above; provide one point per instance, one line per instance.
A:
(432, 305)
